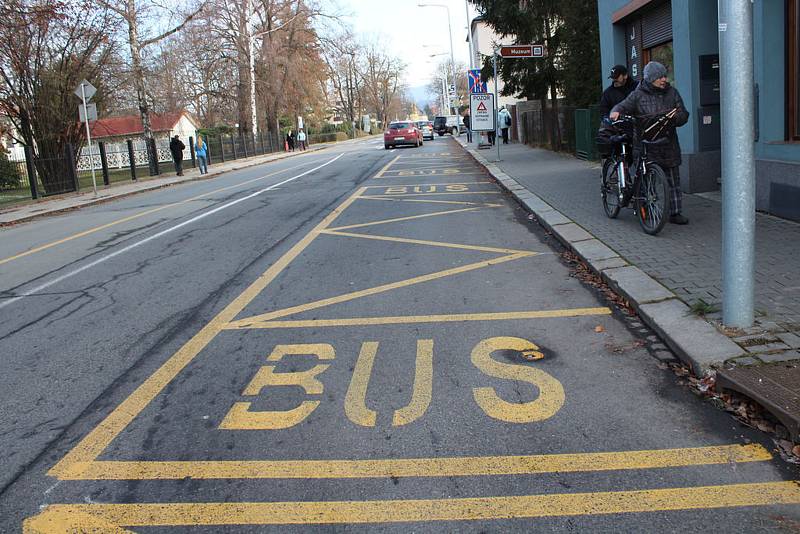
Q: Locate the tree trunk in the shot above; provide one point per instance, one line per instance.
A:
(138, 70)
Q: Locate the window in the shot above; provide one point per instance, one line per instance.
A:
(793, 69)
(663, 54)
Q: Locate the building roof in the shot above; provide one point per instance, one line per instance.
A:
(132, 124)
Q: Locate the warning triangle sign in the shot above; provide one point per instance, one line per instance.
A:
(481, 107)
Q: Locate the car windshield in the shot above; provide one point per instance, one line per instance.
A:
(398, 125)
(440, 120)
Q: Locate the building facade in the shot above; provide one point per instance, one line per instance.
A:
(683, 34)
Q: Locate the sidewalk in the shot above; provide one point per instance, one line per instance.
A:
(664, 276)
(70, 201)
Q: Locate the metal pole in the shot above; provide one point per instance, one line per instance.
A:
(452, 62)
(738, 161)
(88, 137)
(496, 101)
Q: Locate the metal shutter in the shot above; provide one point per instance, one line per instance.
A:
(657, 25)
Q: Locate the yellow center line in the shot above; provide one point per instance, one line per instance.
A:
(62, 518)
(139, 215)
(257, 323)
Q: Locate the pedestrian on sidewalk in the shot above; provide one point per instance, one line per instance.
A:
(176, 147)
(289, 141)
(468, 126)
(504, 119)
(201, 152)
(656, 96)
(301, 139)
(621, 86)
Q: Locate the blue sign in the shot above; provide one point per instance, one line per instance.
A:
(475, 83)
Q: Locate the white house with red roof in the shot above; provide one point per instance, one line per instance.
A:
(164, 126)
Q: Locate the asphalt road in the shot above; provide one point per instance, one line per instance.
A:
(354, 339)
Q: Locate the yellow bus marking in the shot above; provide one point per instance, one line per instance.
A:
(400, 219)
(428, 201)
(384, 186)
(422, 467)
(355, 400)
(393, 195)
(378, 289)
(416, 319)
(99, 438)
(137, 216)
(424, 242)
(423, 386)
(386, 167)
(58, 518)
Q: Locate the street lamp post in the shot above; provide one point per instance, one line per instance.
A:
(444, 84)
(450, 30)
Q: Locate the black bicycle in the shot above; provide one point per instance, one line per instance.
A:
(645, 189)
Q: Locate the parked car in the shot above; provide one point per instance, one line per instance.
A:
(426, 127)
(402, 133)
(452, 124)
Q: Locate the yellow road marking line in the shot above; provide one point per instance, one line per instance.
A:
(427, 175)
(423, 467)
(94, 443)
(423, 242)
(386, 167)
(414, 319)
(423, 386)
(57, 518)
(384, 186)
(399, 219)
(378, 289)
(137, 215)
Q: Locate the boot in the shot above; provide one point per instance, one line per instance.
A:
(678, 219)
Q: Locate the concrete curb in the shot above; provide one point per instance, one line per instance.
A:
(75, 201)
(695, 341)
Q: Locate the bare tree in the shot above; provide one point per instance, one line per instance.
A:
(342, 56)
(381, 80)
(137, 14)
(46, 49)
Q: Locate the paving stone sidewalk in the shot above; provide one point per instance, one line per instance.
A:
(664, 276)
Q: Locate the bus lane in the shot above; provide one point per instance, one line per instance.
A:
(421, 358)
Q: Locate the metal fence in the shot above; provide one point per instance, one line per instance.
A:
(30, 175)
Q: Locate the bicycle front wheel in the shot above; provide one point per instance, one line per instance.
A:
(609, 189)
(652, 200)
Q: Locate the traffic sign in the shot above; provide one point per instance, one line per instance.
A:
(85, 89)
(91, 109)
(482, 112)
(530, 50)
(475, 83)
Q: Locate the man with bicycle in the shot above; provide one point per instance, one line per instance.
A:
(655, 96)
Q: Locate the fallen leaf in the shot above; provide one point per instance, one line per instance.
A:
(599, 328)
(796, 450)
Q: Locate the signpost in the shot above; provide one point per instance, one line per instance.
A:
(85, 91)
(529, 50)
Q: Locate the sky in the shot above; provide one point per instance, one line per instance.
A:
(411, 32)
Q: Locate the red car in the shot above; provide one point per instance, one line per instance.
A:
(402, 133)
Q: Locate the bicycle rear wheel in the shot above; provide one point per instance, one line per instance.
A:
(652, 198)
(609, 189)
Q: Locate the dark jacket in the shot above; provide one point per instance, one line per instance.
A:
(466, 120)
(614, 95)
(650, 100)
(176, 146)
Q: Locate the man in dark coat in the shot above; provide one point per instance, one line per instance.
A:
(176, 146)
(467, 125)
(656, 96)
(621, 86)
